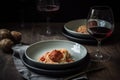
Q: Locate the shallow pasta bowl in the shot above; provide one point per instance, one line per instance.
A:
(77, 51)
(72, 26)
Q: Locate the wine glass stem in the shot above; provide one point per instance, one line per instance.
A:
(48, 21)
(98, 54)
(48, 25)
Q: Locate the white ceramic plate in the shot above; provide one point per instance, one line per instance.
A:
(34, 51)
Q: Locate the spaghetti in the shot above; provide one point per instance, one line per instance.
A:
(82, 29)
(56, 57)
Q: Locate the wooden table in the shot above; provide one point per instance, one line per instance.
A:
(31, 32)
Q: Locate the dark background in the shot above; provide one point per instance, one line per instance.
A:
(25, 10)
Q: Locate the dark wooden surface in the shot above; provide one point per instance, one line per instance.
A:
(31, 32)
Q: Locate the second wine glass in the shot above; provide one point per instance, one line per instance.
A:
(48, 6)
(100, 25)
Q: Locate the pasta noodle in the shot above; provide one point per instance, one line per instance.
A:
(82, 29)
(56, 57)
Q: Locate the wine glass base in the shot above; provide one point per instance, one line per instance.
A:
(99, 57)
(48, 32)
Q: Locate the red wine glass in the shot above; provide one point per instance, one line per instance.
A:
(100, 25)
(49, 7)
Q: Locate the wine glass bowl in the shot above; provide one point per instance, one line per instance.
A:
(100, 25)
(99, 29)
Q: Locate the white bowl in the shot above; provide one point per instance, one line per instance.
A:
(73, 25)
(34, 51)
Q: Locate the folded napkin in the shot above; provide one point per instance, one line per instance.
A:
(18, 51)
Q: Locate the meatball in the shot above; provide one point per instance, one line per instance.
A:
(55, 56)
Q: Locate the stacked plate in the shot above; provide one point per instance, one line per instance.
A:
(76, 51)
(75, 30)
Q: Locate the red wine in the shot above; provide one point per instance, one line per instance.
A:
(100, 32)
(48, 8)
(51, 8)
